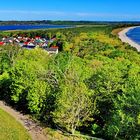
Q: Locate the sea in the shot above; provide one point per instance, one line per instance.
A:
(30, 27)
(134, 35)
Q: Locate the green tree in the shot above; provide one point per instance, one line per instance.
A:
(28, 87)
(73, 102)
(8, 55)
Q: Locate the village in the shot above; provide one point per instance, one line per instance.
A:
(30, 43)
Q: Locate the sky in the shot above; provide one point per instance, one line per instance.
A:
(92, 10)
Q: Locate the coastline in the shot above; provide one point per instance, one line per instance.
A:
(126, 39)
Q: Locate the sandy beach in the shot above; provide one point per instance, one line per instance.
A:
(124, 38)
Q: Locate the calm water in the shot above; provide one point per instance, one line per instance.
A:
(134, 34)
(29, 27)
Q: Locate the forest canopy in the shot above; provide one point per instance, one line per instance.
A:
(92, 86)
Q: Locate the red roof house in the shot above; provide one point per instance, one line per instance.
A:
(1, 43)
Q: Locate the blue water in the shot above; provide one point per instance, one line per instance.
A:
(29, 27)
(134, 34)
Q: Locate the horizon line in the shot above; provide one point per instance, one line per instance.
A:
(10, 20)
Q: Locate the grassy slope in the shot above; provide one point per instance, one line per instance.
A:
(116, 31)
(10, 129)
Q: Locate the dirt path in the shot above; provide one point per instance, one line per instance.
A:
(33, 128)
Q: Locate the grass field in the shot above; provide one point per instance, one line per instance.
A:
(10, 129)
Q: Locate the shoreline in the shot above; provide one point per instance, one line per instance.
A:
(126, 39)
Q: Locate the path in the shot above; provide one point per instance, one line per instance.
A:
(33, 128)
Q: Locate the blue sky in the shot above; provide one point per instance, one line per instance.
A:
(102, 10)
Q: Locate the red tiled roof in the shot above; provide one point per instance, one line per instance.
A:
(37, 37)
(1, 43)
(55, 47)
(26, 43)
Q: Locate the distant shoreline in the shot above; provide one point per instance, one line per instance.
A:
(126, 39)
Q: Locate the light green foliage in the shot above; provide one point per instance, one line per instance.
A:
(4, 86)
(138, 119)
(124, 118)
(73, 107)
(3, 77)
(106, 81)
(73, 103)
(26, 78)
(7, 56)
(92, 85)
(36, 96)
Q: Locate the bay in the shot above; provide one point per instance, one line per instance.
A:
(30, 27)
(134, 35)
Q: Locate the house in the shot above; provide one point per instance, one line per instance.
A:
(52, 50)
(21, 44)
(1, 43)
(37, 37)
(44, 45)
(16, 40)
(31, 43)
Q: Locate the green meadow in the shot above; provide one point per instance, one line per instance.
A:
(10, 129)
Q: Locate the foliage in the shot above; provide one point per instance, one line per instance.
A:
(91, 86)
(27, 86)
(73, 104)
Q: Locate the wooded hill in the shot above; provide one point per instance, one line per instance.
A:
(92, 86)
